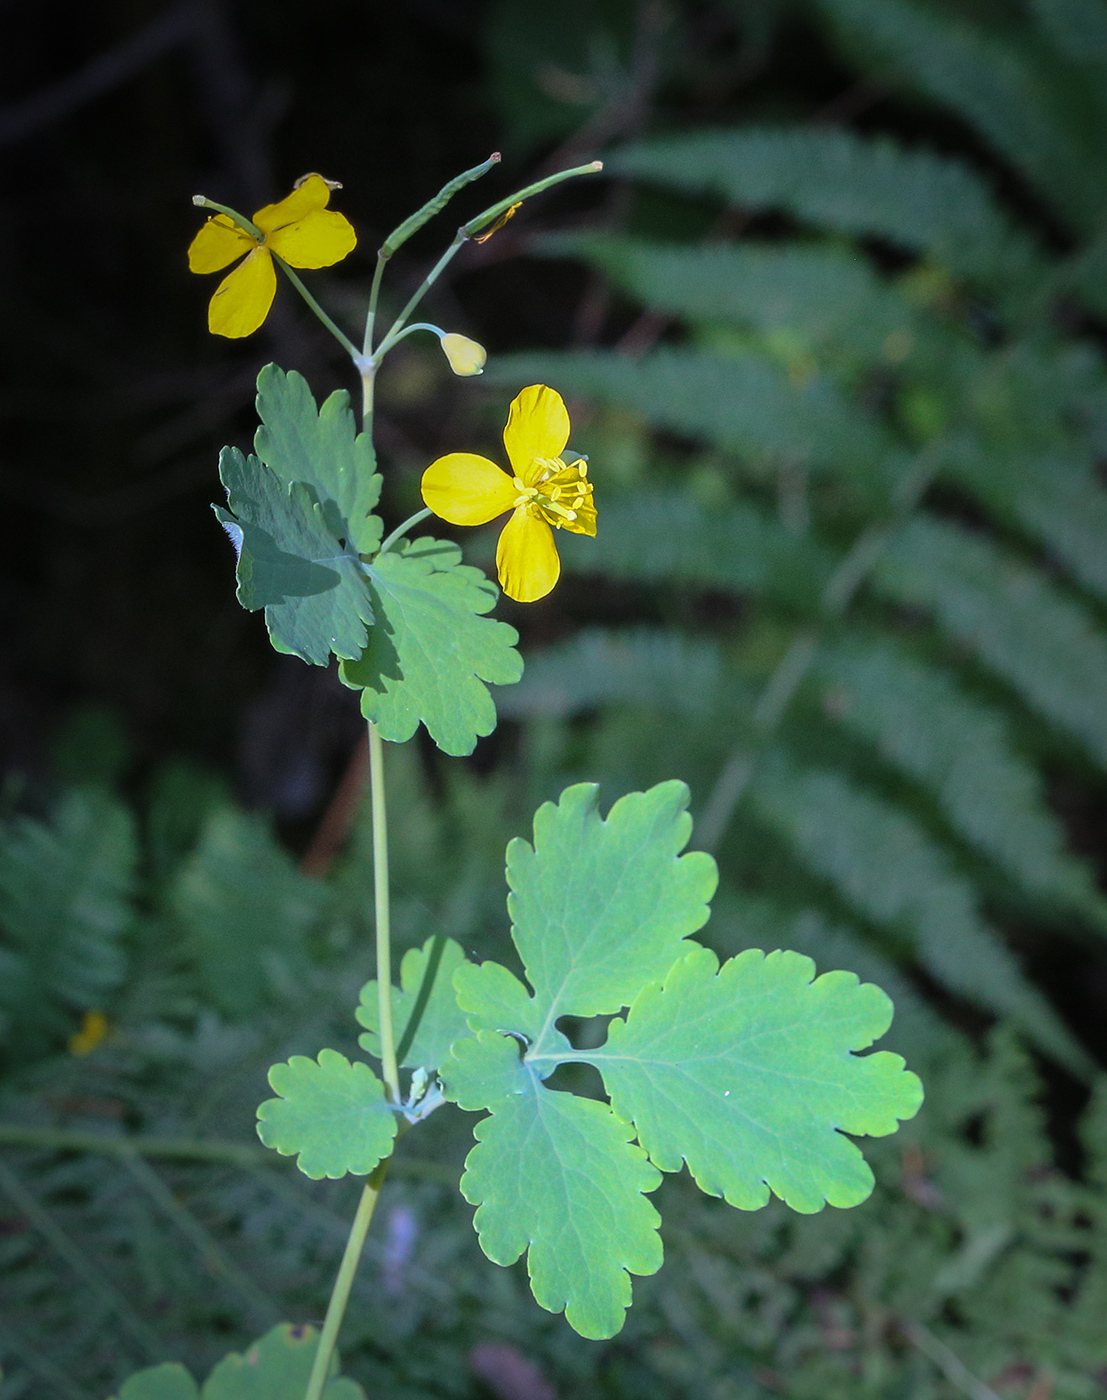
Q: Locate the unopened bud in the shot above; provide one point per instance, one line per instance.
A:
(466, 357)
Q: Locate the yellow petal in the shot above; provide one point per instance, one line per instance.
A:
(537, 431)
(319, 239)
(218, 243)
(466, 489)
(243, 298)
(313, 194)
(526, 557)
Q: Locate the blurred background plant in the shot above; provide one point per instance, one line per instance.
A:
(834, 328)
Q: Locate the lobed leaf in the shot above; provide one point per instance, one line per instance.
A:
(332, 1114)
(322, 448)
(600, 908)
(432, 650)
(559, 1177)
(276, 1367)
(294, 562)
(301, 518)
(426, 991)
(601, 911)
(747, 1073)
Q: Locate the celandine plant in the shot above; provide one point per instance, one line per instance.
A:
(748, 1072)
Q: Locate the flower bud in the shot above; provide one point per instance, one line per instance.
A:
(466, 357)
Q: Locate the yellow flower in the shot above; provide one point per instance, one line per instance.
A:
(300, 229)
(94, 1029)
(469, 490)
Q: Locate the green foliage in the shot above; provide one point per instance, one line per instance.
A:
(754, 1025)
(331, 1114)
(433, 648)
(65, 911)
(246, 911)
(425, 1015)
(276, 1367)
(408, 625)
(600, 914)
(301, 518)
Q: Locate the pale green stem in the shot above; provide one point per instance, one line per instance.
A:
(339, 334)
(389, 1068)
(374, 296)
(467, 231)
(401, 530)
(340, 1293)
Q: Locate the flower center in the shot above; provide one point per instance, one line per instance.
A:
(562, 492)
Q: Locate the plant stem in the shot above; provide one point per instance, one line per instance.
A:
(389, 1068)
(374, 296)
(401, 530)
(339, 335)
(340, 1293)
(467, 231)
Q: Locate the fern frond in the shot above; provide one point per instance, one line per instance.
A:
(887, 869)
(1043, 644)
(65, 910)
(740, 402)
(641, 666)
(245, 911)
(824, 296)
(994, 82)
(859, 185)
(960, 749)
(1055, 499)
(669, 537)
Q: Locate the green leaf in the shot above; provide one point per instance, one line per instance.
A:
(599, 908)
(170, 1381)
(432, 649)
(601, 911)
(294, 562)
(276, 1367)
(332, 1113)
(556, 1175)
(1045, 644)
(747, 1073)
(427, 990)
(321, 448)
(300, 518)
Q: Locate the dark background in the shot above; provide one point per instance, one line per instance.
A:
(116, 583)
